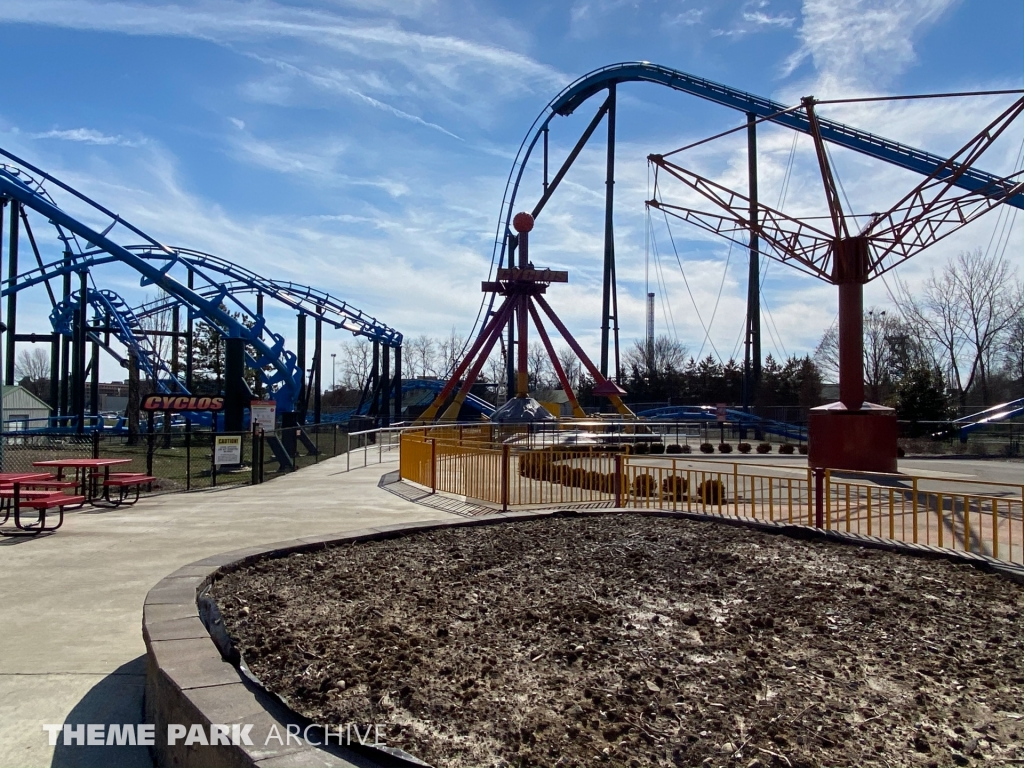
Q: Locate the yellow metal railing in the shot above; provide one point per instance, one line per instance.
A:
(968, 515)
(976, 516)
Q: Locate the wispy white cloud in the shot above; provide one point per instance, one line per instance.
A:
(239, 124)
(399, 113)
(88, 136)
(341, 83)
(225, 21)
(754, 17)
(861, 43)
(761, 19)
(687, 18)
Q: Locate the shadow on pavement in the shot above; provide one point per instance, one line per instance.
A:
(117, 698)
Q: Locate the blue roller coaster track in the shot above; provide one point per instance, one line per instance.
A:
(212, 302)
(126, 328)
(576, 93)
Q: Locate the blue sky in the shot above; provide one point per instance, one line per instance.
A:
(363, 146)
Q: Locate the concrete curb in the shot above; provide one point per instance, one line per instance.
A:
(189, 682)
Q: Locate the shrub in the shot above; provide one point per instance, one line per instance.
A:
(787, 448)
(529, 465)
(577, 477)
(707, 448)
(674, 487)
(526, 464)
(657, 447)
(674, 448)
(744, 447)
(764, 447)
(639, 448)
(595, 481)
(711, 492)
(802, 449)
(686, 449)
(644, 485)
(900, 453)
(724, 448)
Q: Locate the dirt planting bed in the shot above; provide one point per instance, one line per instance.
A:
(629, 640)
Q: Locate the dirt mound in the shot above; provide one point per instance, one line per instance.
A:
(625, 640)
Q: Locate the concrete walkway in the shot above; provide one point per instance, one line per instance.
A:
(71, 644)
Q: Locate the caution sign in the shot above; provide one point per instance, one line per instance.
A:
(182, 403)
(227, 449)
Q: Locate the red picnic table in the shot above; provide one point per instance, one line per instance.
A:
(38, 494)
(84, 471)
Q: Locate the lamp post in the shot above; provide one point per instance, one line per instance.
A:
(333, 368)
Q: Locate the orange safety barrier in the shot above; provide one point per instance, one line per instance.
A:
(982, 517)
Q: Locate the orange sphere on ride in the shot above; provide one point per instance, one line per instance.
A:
(523, 222)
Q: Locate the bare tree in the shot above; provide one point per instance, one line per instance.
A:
(32, 364)
(538, 367)
(890, 348)
(449, 352)
(966, 311)
(669, 356)
(496, 370)
(1013, 349)
(162, 322)
(422, 355)
(572, 366)
(356, 361)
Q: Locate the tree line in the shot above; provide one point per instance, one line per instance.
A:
(958, 341)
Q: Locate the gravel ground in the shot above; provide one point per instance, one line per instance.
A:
(628, 640)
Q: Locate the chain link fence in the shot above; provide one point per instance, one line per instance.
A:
(182, 460)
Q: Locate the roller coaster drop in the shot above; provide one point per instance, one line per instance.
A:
(211, 293)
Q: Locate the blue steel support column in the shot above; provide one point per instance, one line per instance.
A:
(374, 411)
(398, 383)
(78, 376)
(385, 386)
(12, 298)
(300, 355)
(65, 352)
(94, 370)
(3, 203)
(752, 351)
(259, 313)
(609, 236)
(189, 331)
(234, 384)
(317, 355)
(54, 401)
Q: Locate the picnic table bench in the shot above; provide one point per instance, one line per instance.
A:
(15, 499)
(124, 481)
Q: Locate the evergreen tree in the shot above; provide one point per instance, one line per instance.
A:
(920, 396)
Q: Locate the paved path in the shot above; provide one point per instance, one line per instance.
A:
(71, 647)
(71, 644)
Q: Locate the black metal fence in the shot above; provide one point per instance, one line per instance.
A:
(182, 460)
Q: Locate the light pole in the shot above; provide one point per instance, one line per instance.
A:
(333, 368)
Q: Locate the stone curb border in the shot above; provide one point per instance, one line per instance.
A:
(188, 681)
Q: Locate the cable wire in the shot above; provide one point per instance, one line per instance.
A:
(707, 333)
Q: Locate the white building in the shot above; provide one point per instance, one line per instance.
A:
(23, 410)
